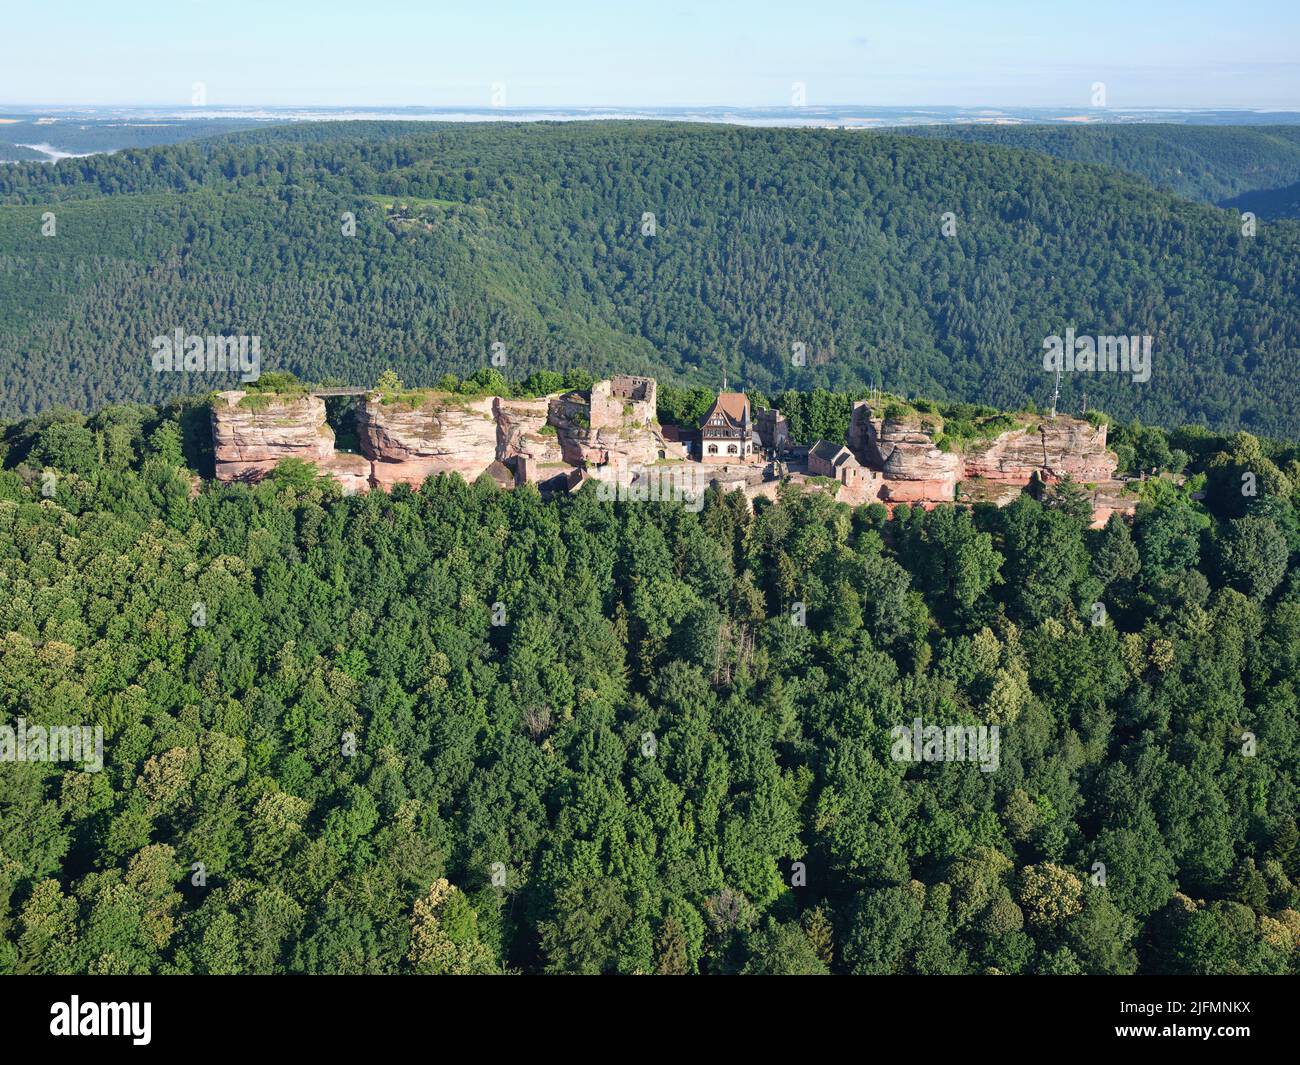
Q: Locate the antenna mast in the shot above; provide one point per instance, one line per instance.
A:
(1056, 395)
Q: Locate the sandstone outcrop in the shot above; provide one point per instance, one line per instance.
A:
(1111, 497)
(538, 439)
(353, 472)
(560, 440)
(1057, 447)
(903, 448)
(434, 433)
(524, 431)
(978, 490)
(251, 437)
(407, 438)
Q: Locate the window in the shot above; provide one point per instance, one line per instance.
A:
(713, 449)
(731, 449)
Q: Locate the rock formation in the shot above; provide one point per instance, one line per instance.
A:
(559, 440)
(408, 438)
(614, 424)
(1111, 497)
(1052, 449)
(902, 447)
(1056, 447)
(524, 430)
(253, 433)
(434, 433)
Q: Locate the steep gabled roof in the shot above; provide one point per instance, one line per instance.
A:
(734, 406)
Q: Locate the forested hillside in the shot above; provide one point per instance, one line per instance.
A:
(536, 237)
(466, 730)
(1206, 163)
(80, 134)
(1269, 203)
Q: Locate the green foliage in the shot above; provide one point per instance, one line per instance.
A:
(1201, 163)
(652, 766)
(527, 235)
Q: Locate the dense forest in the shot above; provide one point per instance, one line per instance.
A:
(1212, 164)
(80, 134)
(539, 238)
(1269, 203)
(465, 730)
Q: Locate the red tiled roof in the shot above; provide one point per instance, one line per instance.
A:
(735, 405)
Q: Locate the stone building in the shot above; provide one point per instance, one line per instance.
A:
(773, 430)
(727, 430)
(828, 459)
(624, 400)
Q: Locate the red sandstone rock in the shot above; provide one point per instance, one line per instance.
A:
(978, 490)
(1061, 446)
(614, 425)
(251, 440)
(893, 491)
(524, 432)
(608, 429)
(1110, 497)
(904, 450)
(443, 434)
(351, 471)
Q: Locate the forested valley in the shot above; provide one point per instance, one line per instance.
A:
(673, 250)
(1211, 164)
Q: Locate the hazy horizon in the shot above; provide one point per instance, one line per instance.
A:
(581, 53)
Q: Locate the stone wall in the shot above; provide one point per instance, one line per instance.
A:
(601, 428)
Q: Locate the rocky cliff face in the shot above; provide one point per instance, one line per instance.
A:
(351, 471)
(1058, 447)
(556, 438)
(917, 472)
(524, 431)
(251, 440)
(440, 434)
(1110, 497)
(903, 449)
(613, 424)
(427, 433)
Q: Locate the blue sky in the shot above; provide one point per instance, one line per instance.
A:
(580, 53)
